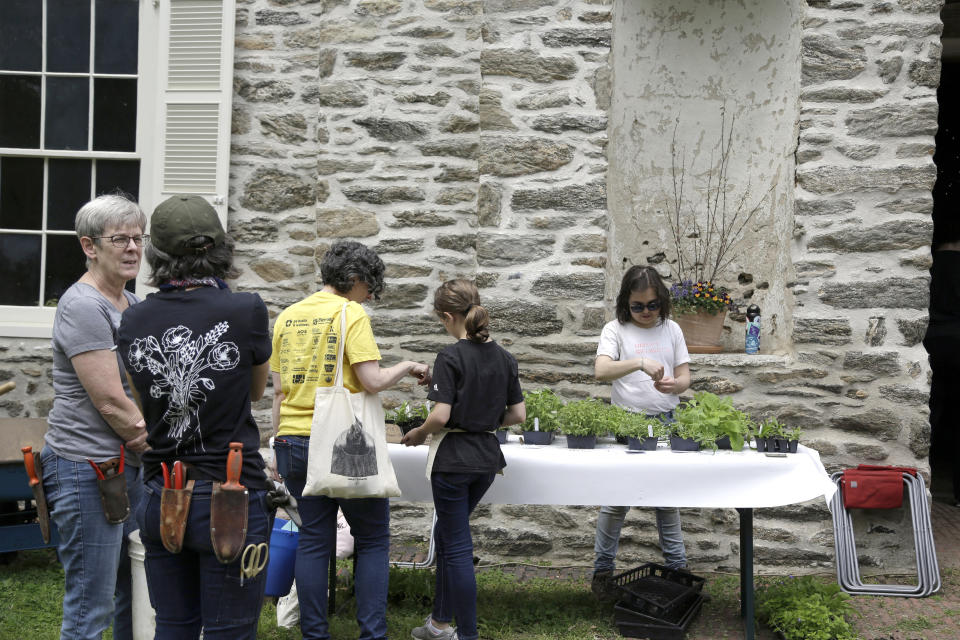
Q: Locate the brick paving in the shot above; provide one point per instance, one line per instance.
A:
(882, 618)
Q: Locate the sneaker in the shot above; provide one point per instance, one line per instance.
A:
(602, 586)
(425, 633)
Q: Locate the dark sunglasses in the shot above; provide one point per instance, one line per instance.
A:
(638, 307)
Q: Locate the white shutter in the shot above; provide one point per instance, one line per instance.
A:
(195, 58)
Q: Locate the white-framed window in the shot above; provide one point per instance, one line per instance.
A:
(98, 96)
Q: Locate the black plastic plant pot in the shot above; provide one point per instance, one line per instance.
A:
(642, 444)
(792, 446)
(723, 442)
(683, 444)
(581, 442)
(409, 425)
(779, 445)
(501, 436)
(537, 437)
(761, 444)
(622, 439)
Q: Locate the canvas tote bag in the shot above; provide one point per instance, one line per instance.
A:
(348, 455)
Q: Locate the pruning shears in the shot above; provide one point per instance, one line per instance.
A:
(177, 479)
(96, 468)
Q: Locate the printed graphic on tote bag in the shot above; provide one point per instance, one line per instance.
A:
(354, 453)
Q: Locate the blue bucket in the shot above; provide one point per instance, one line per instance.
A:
(283, 554)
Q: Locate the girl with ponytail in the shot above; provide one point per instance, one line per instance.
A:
(476, 389)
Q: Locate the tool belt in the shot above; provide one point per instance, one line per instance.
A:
(113, 491)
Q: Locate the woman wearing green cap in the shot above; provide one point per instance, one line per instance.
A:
(197, 354)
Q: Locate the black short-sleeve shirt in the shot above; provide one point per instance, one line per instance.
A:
(191, 356)
(478, 381)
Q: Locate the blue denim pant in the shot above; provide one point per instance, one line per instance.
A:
(369, 520)
(93, 552)
(455, 495)
(191, 590)
(609, 523)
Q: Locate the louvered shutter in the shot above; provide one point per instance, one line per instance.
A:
(195, 54)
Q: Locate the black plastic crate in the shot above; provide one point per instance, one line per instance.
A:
(657, 591)
(637, 625)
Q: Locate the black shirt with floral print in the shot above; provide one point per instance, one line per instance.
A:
(190, 354)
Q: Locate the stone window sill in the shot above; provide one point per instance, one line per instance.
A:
(734, 360)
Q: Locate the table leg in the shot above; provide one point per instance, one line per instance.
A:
(746, 572)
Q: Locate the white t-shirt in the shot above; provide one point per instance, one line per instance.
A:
(663, 343)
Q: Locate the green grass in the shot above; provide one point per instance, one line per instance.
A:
(920, 623)
(31, 593)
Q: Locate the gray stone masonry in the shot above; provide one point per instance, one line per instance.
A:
(468, 138)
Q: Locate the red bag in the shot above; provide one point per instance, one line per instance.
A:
(878, 467)
(872, 489)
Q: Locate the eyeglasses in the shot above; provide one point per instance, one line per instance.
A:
(638, 307)
(122, 242)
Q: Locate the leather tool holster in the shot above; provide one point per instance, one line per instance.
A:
(113, 492)
(174, 509)
(228, 524)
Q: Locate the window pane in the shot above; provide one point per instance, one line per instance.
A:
(68, 188)
(20, 37)
(68, 102)
(118, 175)
(114, 114)
(115, 42)
(20, 111)
(21, 193)
(68, 36)
(65, 263)
(20, 266)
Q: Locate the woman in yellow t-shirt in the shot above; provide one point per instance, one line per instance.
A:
(304, 357)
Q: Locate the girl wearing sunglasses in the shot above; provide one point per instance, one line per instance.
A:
(644, 355)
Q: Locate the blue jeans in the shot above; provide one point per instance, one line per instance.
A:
(191, 590)
(455, 495)
(369, 520)
(93, 552)
(609, 523)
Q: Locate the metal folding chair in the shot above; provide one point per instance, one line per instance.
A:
(848, 570)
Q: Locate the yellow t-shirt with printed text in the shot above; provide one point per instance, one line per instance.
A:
(305, 342)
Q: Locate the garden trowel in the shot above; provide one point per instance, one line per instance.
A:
(34, 474)
(228, 510)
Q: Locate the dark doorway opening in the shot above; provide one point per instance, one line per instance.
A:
(943, 335)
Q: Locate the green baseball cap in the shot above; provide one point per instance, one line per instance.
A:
(181, 218)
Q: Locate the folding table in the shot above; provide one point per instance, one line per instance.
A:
(554, 474)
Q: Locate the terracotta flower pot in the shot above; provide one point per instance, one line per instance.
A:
(702, 331)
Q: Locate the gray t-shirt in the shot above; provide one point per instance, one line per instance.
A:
(85, 321)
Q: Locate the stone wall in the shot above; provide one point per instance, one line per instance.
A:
(469, 137)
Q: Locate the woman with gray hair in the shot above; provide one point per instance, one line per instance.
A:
(197, 355)
(95, 423)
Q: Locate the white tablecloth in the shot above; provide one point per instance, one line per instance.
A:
(554, 474)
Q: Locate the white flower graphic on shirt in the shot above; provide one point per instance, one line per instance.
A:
(176, 362)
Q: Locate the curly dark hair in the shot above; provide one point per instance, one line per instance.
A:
(348, 262)
(638, 278)
(216, 262)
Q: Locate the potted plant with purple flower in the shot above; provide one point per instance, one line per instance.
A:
(706, 230)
